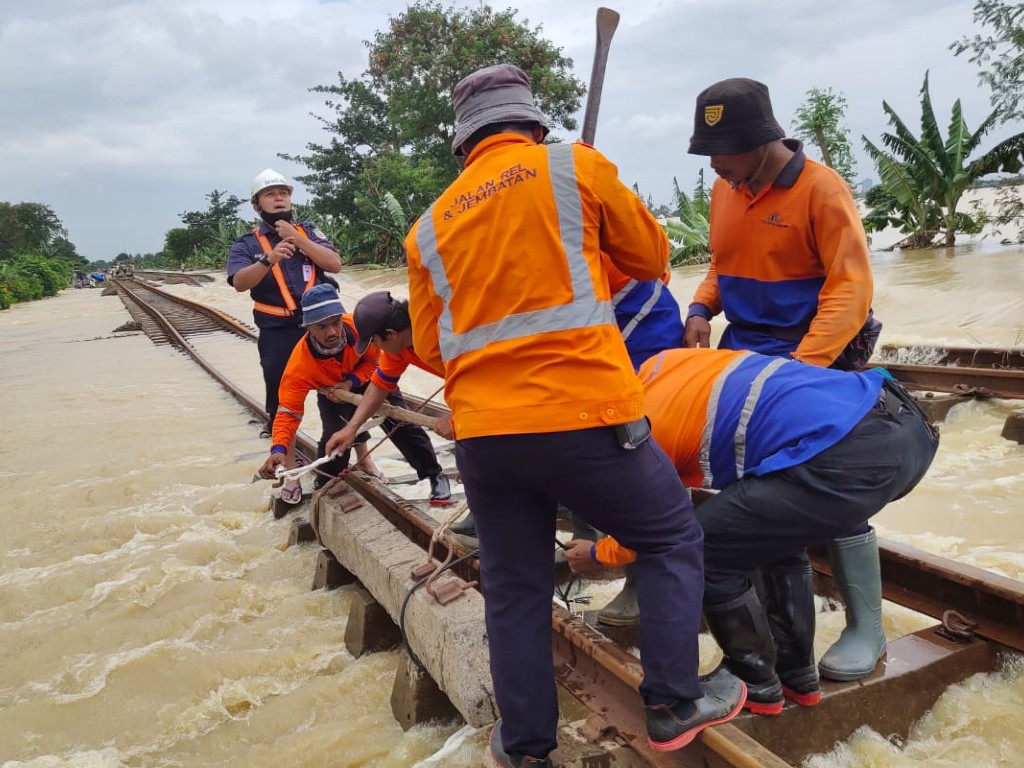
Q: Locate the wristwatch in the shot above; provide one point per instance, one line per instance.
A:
(264, 260)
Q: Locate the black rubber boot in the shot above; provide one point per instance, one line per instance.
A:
(788, 595)
(465, 527)
(741, 628)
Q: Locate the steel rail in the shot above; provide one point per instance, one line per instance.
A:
(968, 357)
(605, 678)
(983, 382)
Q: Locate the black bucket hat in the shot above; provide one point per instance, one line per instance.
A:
(732, 117)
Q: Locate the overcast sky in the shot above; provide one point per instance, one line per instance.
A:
(122, 114)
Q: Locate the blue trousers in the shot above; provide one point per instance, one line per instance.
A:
(514, 484)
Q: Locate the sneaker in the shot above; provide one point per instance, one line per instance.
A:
(502, 759)
(668, 728)
(440, 490)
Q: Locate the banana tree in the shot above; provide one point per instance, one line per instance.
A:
(924, 178)
(689, 235)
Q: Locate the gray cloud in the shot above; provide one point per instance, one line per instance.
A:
(121, 114)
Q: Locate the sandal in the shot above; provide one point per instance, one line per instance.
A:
(290, 493)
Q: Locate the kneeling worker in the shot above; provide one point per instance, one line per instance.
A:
(326, 357)
(800, 454)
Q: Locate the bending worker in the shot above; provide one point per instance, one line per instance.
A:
(790, 270)
(508, 299)
(325, 357)
(383, 321)
(277, 262)
(800, 454)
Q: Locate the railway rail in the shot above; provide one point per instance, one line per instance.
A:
(604, 676)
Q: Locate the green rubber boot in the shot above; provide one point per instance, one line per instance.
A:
(623, 610)
(857, 574)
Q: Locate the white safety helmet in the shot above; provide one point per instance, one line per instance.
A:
(268, 177)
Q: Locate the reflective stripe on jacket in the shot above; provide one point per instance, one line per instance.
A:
(647, 313)
(722, 415)
(508, 295)
(290, 306)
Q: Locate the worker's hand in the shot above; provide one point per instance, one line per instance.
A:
(283, 250)
(341, 440)
(328, 392)
(286, 230)
(269, 469)
(697, 332)
(578, 556)
(444, 427)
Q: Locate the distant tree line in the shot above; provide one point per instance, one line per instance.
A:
(36, 257)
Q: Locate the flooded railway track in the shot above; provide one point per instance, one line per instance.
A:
(982, 614)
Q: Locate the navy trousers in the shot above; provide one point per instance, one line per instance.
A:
(770, 519)
(514, 484)
(275, 346)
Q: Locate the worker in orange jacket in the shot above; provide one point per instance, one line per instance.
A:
(799, 453)
(509, 300)
(790, 270)
(383, 321)
(326, 358)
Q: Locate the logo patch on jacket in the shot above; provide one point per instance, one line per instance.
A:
(776, 221)
(713, 113)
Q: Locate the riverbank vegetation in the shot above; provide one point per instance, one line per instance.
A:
(36, 257)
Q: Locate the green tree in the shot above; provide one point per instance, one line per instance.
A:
(819, 120)
(391, 128)
(689, 234)
(924, 178)
(1000, 51)
(27, 228)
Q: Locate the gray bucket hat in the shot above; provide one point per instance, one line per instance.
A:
(732, 117)
(498, 94)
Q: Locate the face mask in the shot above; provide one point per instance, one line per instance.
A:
(328, 351)
(273, 217)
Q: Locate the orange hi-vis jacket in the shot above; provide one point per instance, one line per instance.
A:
(306, 371)
(723, 415)
(508, 296)
(391, 367)
(290, 307)
(790, 263)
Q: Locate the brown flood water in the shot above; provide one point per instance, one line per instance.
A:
(150, 614)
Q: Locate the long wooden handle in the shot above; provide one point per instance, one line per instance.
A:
(607, 22)
(387, 409)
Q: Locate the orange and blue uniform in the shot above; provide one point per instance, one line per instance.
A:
(789, 266)
(309, 370)
(391, 367)
(646, 312)
(510, 300)
(798, 452)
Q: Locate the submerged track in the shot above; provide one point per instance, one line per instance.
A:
(600, 673)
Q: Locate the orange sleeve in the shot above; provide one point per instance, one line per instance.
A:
(367, 364)
(845, 297)
(633, 239)
(610, 553)
(424, 306)
(291, 395)
(707, 293)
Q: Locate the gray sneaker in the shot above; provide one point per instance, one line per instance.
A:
(502, 759)
(670, 727)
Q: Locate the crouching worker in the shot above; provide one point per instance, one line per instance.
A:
(800, 454)
(326, 357)
(383, 322)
